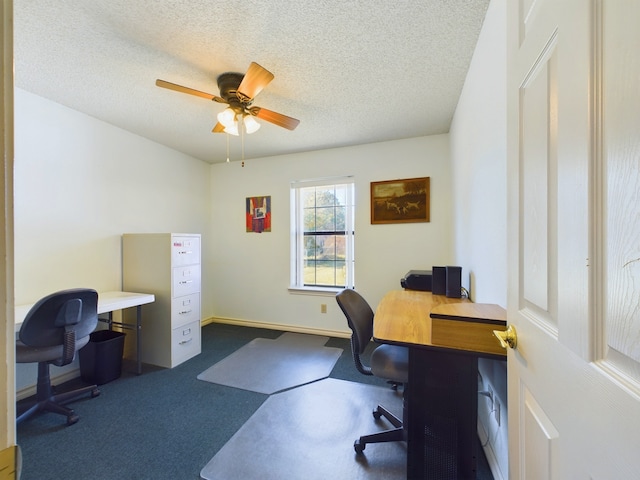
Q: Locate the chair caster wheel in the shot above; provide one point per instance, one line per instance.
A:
(95, 392)
(377, 414)
(72, 418)
(359, 447)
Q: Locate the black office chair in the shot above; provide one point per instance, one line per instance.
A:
(55, 328)
(387, 361)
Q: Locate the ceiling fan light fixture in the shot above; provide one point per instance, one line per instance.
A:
(227, 117)
(232, 129)
(250, 124)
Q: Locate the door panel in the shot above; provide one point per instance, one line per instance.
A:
(539, 436)
(621, 110)
(574, 238)
(536, 107)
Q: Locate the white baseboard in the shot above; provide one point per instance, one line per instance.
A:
(277, 326)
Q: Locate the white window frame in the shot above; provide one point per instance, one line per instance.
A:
(297, 235)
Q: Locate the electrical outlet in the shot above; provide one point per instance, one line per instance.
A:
(496, 410)
(323, 308)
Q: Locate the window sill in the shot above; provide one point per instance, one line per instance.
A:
(319, 291)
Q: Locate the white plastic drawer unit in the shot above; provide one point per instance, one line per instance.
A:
(185, 309)
(185, 250)
(186, 280)
(185, 342)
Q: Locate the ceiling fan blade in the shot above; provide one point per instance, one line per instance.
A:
(190, 91)
(254, 81)
(219, 128)
(275, 118)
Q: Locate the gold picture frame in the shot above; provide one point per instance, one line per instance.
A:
(400, 201)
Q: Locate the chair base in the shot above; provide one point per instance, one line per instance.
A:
(396, 434)
(47, 401)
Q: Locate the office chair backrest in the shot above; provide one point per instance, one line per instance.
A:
(360, 320)
(58, 317)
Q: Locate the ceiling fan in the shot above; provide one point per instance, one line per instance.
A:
(238, 91)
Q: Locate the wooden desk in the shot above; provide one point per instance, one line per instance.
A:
(445, 337)
(402, 316)
(108, 302)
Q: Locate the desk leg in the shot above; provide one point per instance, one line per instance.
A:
(130, 326)
(442, 416)
(139, 339)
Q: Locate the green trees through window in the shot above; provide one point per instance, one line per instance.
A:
(325, 235)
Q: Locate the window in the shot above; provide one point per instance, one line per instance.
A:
(322, 234)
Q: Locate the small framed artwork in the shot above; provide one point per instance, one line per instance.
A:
(258, 214)
(400, 201)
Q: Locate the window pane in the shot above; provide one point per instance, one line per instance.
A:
(341, 247)
(329, 248)
(325, 273)
(325, 197)
(309, 272)
(341, 194)
(325, 219)
(340, 215)
(308, 197)
(309, 220)
(310, 247)
(341, 273)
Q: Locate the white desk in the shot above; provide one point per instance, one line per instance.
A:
(108, 302)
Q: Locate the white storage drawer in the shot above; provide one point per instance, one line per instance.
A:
(185, 309)
(185, 342)
(185, 250)
(186, 280)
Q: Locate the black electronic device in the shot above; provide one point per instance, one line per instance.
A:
(439, 280)
(454, 281)
(417, 280)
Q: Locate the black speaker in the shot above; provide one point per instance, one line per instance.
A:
(454, 282)
(438, 280)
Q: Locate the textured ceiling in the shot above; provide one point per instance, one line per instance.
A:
(352, 72)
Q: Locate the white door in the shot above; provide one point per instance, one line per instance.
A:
(574, 238)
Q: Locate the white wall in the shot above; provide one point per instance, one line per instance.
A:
(479, 172)
(250, 271)
(79, 184)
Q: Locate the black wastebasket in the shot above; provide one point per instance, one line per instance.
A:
(101, 358)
